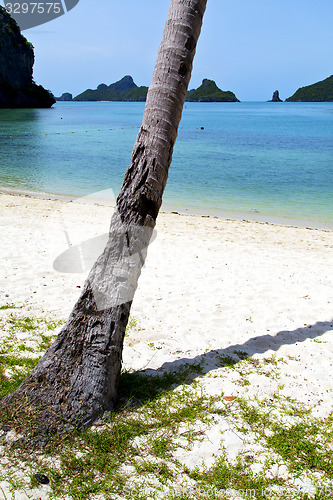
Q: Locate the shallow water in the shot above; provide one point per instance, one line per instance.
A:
(269, 160)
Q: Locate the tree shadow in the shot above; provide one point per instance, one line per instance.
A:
(255, 345)
(146, 384)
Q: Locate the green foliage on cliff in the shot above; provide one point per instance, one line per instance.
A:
(123, 90)
(318, 92)
(209, 92)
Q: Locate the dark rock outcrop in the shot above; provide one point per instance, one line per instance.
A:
(276, 97)
(66, 96)
(318, 92)
(17, 88)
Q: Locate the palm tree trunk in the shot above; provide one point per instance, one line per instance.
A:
(77, 379)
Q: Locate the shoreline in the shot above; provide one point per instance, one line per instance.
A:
(52, 225)
(166, 208)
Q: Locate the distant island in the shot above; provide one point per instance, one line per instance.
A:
(123, 90)
(126, 90)
(66, 96)
(318, 92)
(209, 92)
(17, 88)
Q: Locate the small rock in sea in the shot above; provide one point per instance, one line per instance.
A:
(41, 478)
(276, 97)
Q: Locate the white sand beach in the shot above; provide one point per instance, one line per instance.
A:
(209, 287)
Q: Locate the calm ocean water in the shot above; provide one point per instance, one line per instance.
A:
(265, 160)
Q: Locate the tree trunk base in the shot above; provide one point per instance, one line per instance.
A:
(77, 379)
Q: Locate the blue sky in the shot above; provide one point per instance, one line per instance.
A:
(251, 47)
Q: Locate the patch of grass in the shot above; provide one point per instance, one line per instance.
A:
(161, 446)
(22, 335)
(161, 470)
(26, 324)
(133, 454)
(227, 476)
(15, 322)
(304, 443)
(4, 307)
(131, 325)
(19, 370)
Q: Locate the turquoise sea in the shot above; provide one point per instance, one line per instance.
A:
(267, 161)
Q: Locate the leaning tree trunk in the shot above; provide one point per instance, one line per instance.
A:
(77, 379)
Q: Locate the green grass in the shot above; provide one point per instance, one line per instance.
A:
(304, 443)
(23, 337)
(225, 475)
(164, 416)
(4, 307)
(19, 370)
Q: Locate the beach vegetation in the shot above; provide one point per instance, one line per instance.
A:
(140, 449)
(23, 339)
(4, 307)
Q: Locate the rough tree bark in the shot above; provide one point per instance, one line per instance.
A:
(77, 378)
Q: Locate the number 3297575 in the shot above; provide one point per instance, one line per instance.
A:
(34, 8)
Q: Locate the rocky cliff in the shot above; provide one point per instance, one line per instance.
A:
(17, 88)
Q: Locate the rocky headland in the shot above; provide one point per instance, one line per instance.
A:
(318, 92)
(17, 88)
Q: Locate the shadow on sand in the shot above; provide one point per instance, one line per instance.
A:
(256, 345)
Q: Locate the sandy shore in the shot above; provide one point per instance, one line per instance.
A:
(209, 287)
